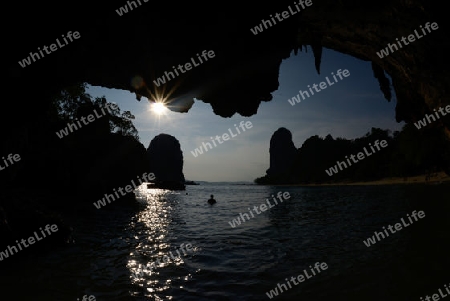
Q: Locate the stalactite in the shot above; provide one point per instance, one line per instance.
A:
(317, 51)
(383, 81)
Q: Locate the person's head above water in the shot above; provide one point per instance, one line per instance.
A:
(212, 200)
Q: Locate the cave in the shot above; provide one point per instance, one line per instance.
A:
(107, 46)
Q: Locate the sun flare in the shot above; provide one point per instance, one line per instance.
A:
(159, 108)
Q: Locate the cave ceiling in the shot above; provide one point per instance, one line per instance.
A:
(129, 52)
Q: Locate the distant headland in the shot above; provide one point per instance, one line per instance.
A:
(406, 156)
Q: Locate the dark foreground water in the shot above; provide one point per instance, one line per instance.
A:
(243, 263)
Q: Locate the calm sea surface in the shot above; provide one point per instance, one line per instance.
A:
(317, 224)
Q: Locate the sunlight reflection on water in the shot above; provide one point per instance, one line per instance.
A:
(151, 226)
(326, 224)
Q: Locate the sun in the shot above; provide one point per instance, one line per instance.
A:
(158, 108)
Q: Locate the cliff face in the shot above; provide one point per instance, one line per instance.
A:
(131, 51)
(166, 159)
(282, 152)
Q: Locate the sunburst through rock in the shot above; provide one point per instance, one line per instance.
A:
(158, 108)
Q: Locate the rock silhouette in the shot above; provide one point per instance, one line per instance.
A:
(282, 152)
(166, 162)
(313, 162)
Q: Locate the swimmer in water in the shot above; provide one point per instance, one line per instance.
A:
(212, 200)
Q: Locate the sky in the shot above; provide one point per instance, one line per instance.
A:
(347, 109)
